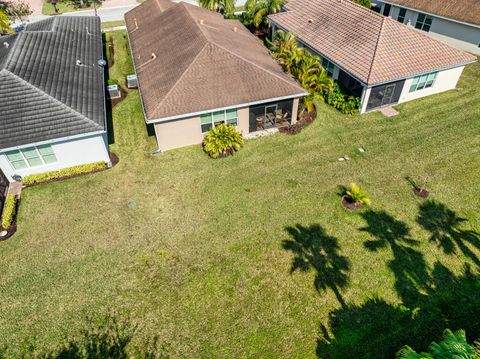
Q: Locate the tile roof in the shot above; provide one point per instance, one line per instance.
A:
(371, 47)
(45, 94)
(190, 60)
(461, 10)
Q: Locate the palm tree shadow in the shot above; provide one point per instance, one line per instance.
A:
(314, 249)
(444, 226)
(408, 265)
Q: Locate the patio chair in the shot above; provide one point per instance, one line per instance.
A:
(271, 118)
(282, 118)
(260, 120)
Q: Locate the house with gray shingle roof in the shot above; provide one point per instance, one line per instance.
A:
(372, 56)
(456, 22)
(52, 97)
(196, 69)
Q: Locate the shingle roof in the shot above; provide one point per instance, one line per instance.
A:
(201, 61)
(45, 94)
(461, 10)
(370, 46)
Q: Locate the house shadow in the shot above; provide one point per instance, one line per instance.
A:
(408, 265)
(315, 250)
(378, 329)
(445, 228)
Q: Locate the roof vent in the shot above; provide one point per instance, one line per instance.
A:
(6, 44)
(310, 21)
(202, 22)
(235, 29)
(79, 63)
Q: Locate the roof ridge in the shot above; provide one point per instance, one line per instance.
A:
(376, 48)
(254, 64)
(186, 7)
(43, 93)
(181, 76)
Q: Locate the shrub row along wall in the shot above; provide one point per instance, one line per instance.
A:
(9, 209)
(64, 173)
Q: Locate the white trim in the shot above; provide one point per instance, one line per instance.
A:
(212, 121)
(431, 14)
(61, 139)
(248, 104)
(25, 159)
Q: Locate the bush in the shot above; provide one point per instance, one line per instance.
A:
(113, 82)
(66, 172)
(222, 141)
(341, 101)
(357, 194)
(9, 210)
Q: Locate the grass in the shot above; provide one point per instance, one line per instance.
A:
(64, 7)
(110, 24)
(253, 255)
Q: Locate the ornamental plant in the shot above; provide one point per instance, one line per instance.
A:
(222, 141)
(357, 194)
(9, 209)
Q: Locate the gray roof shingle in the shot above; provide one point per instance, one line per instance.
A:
(49, 95)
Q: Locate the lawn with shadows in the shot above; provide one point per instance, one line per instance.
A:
(254, 255)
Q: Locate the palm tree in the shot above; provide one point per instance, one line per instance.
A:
(258, 10)
(221, 6)
(4, 23)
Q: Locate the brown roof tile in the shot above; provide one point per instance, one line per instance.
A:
(461, 10)
(368, 45)
(201, 61)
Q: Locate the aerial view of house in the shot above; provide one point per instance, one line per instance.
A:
(372, 56)
(220, 74)
(456, 22)
(52, 97)
(239, 179)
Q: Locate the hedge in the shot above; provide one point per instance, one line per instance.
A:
(9, 209)
(66, 172)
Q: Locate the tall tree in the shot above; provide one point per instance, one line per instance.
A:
(365, 3)
(4, 23)
(258, 10)
(221, 6)
(16, 9)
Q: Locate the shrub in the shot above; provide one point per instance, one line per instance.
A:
(113, 82)
(341, 101)
(357, 194)
(9, 210)
(66, 172)
(222, 141)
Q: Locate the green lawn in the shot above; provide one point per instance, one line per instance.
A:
(63, 7)
(110, 24)
(253, 255)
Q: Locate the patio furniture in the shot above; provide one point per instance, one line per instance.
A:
(282, 118)
(260, 120)
(271, 118)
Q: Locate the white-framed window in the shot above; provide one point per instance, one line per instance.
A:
(209, 120)
(328, 66)
(401, 15)
(424, 22)
(31, 157)
(423, 81)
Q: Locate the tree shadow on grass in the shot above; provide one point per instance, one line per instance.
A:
(444, 226)
(377, 329)
(314, 249)
(408, 265)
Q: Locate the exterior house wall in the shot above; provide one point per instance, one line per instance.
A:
(446, 80)
(69, 153)
(187, 131)
(462, 36)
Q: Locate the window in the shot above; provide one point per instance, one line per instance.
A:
(31, 157)
(401, 15)
(328, 66)
(386, 9)
(423, 22)
(208, 120)
(423, 81)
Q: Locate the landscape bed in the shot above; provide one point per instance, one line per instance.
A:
(254, 255)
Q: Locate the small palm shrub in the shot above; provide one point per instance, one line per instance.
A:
(9, 209)
(357, 194)
(222, 141)
(344, 103)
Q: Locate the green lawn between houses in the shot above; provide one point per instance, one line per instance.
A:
(64, 7)
(204, 259)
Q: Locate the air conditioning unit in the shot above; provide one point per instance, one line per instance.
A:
(132, 81)
(113, 91)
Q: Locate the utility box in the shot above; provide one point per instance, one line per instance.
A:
(113, 91)
(132, 81)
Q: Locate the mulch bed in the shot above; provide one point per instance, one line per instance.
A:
(348, 204)
(123, 94)
(306, 118)
(420, 192)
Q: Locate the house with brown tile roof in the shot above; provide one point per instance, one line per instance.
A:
(372, 56)
(196, 70)
(456, 22)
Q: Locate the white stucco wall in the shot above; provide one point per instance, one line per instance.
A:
(462, 36)
(68, 153)
(446, 80)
